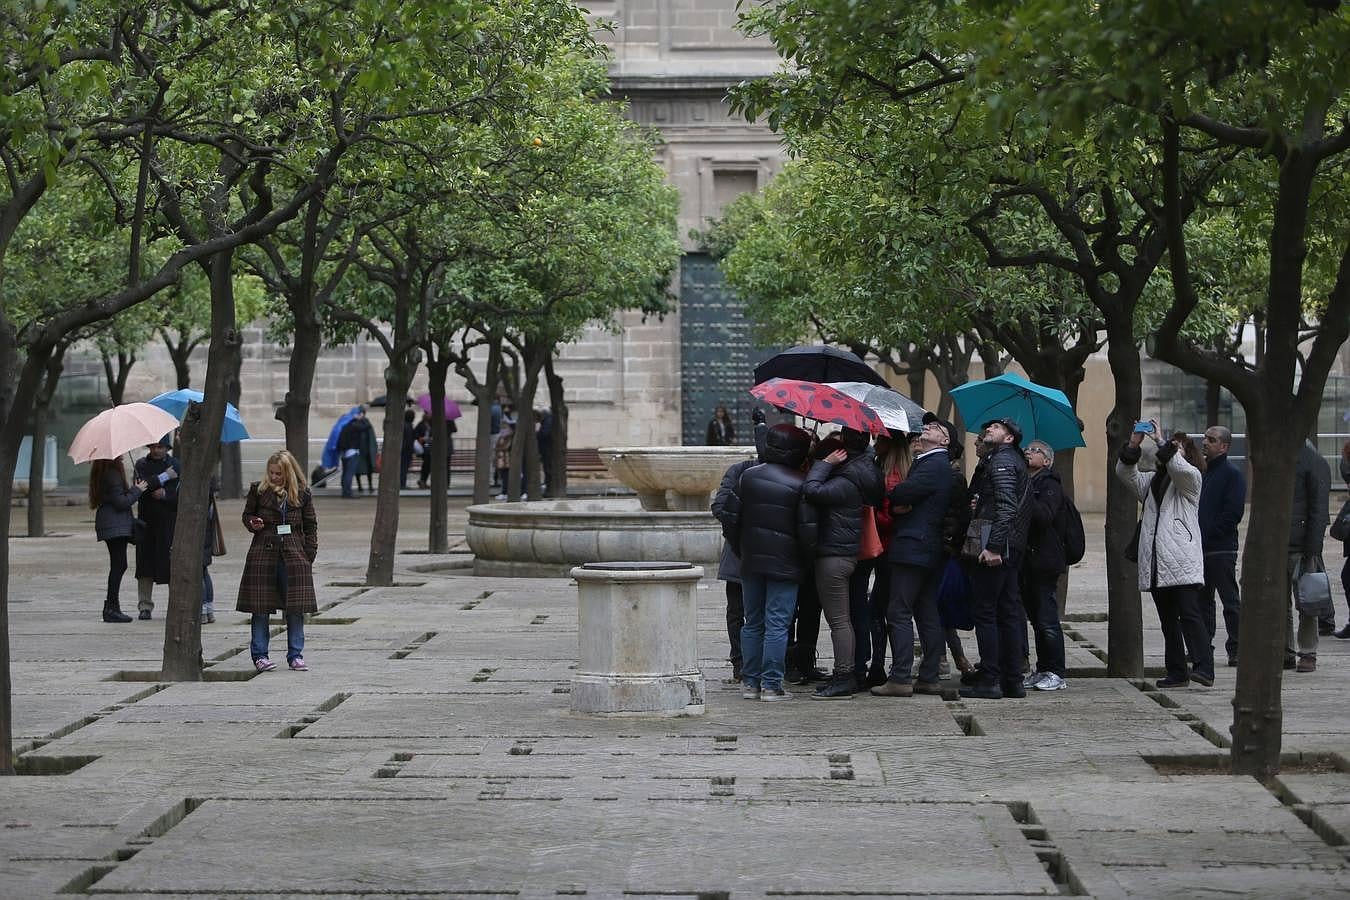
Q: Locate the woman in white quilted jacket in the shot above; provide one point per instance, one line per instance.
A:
(1171, 562)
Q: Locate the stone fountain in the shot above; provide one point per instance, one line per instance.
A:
(669, 519)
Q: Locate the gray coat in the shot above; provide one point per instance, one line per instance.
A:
(113, 518)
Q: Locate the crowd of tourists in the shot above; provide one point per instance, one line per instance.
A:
(888, 541)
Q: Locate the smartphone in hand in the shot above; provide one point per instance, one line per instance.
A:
(1143, 427)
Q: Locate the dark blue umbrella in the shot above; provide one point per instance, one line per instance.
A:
(330, 454)
(176, 402)
(820, 363)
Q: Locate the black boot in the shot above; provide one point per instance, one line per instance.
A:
(112, 612)
(839, 687)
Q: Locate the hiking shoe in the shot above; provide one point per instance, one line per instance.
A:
(297, 664)
(1035, 678)
(1307, 663)
(964, 665)
(974, 676)
(1344, 633)
(1202, 680)
(771, 694)
(143, 615)
(1170, 682)
(983, 692)
(749, 693)
(894, 689)
(263, 664)
(1014, 691)
(928, 687)
(1051, 682)
(839, 687)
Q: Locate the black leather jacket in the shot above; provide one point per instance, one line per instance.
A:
(839, 494)
(1002, 491)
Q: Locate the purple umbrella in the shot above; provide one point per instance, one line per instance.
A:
(451, 407)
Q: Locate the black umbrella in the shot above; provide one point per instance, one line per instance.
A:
(819, 363)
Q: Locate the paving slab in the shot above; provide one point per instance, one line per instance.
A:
(432, 752)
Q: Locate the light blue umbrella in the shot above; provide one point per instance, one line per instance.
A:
(176, 402)
(1041, 412)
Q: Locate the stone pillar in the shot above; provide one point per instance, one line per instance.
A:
(638, 643)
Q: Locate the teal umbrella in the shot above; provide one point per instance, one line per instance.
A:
(1043, 413)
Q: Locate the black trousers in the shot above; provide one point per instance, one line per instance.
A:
(1183, 628)
(805, 631)
(1000, 622)
(1221, 579)
(117, 566)
(735, 619)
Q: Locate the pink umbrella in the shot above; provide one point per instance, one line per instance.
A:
(451, 407)
(115, 431)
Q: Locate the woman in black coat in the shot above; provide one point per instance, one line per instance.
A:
(112, 498)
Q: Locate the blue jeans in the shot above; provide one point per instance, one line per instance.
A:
(295, 636)
(768, 611)
(208, 591)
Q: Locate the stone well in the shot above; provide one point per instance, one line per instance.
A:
(670, 519)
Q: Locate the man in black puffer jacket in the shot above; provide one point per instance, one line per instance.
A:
(1000, 500)
(777, 543)
(839, 486)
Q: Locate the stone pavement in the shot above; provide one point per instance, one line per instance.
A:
(430, 752)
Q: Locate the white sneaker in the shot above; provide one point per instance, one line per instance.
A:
(1051, 682)
(1033, 679)
(500, 497)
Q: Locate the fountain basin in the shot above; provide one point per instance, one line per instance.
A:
(547, 538)
(673, 478)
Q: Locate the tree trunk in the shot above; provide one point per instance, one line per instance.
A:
(557, 403)
(199, 439)
(37, 456)
(916, 378)
(1258, 716)
(117, 377)
(1125, 628)
(231, 459)
(1211, 403)
(398, 376)
(8, 460)
(293, 413)
(180, 352)
(438, 538)
(484, 393)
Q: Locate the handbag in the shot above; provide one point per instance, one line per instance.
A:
(218, 539)
(977, 538)
(953, 597)
(1340, 527)
(1312, 589)
(1132, 548)
(870, 546)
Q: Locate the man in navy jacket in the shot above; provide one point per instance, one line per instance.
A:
(1222, 496)
(916, 559)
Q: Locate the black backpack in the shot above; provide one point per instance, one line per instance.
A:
(1070, 528)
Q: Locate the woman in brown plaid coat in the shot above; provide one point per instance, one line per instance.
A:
(278, 572)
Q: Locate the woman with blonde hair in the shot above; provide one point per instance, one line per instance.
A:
(112, 498)
(278, 572)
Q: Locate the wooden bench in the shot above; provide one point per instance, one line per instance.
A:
(580, 461)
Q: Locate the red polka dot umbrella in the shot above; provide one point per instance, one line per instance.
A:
(821, 402)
